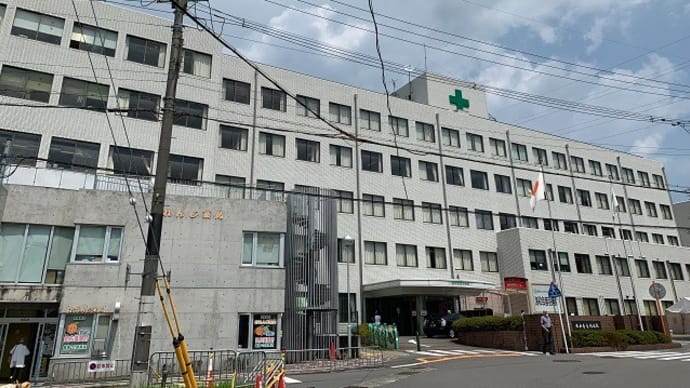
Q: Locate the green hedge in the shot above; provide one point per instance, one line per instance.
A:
(466, 325)
(618, 339)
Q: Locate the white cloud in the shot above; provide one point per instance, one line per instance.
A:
(648, 145)
(595, 35)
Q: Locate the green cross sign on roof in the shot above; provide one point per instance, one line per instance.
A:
(457, 100)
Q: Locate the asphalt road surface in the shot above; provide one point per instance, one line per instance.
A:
(517, 369)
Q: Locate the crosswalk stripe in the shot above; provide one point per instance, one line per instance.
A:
(679, 357)
(458, 351)
(656, 355)
(645, 355)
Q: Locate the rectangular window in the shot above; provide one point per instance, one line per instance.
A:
(462, 260)
(346, 251)
(145, 51)
(551, 224)
(185, 170)
(659, 181)
(626, 234)
(196, 63)
(455, 176)
(399, 126)
(604, 265)
(190, 114)
(582, 263)
(595, 167)
(480, 180)
(343, 308)
(559, 161)
(340, 113)
(613, 172)
(540, 156)
(263, 249)
(271, 144)
(489, 261)
(507, 221)
(308, 151)
(428, 171)
(612, 306)
(38, 26)
(502, 184)
(529, 222)
(644, 179)
(519, 152)
(622, 266)
(630, 306)
(628, 175)
(425, 132)
(2, 12)
(450, 137)
(570, 227)
(642, 236)
(92, 337)
(583, 198)
(97, 243)
(642, 268)
(273, 99)
(233, 138)
(403, 209)
(308, 106)
(373, 205)
(537, 260)
(431, 213)
(660, 269)
(607, 232)
(676, 271)
(571, 306)
(498, 147)
(236, 91)
(578, 164)
(524, 187)
(74, 155)
(549, 192)
(602, 201)
(83, 94)
(673, 240)
(565, 194)
(341, 156)
(235, 185)
(475, 142)
(131, 161)
(269, 190)
(435, 257)
(458, 216)
(370, 120)
(657, 238)
(406, 255)
(375, 253)
(344, 201)
(401, 166)
(485, 219)
(93, 39)
(635, 207)
(621, 204)
(590, 230)
(650, 308)
(590, 306)
(651, 209)
(372, 161)
(563, 264)
(26, 84)
(24, 149)
(139, 105)
(666, 212)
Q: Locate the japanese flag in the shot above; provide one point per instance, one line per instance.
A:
(538, 192)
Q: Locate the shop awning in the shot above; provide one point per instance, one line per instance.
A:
(427, 287)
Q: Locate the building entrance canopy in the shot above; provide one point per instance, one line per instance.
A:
(448, 287)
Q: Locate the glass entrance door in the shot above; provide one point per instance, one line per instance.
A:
(3, 340)
(43, 351)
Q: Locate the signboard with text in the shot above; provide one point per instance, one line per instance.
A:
(77, 334)
(541, 300)
(264, 331)
(586, 325)
(101, 366)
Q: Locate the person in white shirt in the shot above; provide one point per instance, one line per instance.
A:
(18, 361)
(546, 326)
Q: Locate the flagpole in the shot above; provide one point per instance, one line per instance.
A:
(553, 273)
(625, 252)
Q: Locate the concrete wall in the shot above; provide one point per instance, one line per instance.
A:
(682, 210)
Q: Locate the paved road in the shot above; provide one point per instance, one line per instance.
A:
(484, 369)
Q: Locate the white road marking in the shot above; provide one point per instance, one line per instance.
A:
(290, 380)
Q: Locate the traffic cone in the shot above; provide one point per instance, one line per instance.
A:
(257, 383)
(281, 381)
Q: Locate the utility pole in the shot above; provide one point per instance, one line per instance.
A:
(4, 156)
(142, 335)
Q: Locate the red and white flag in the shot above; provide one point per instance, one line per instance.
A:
(538, 193)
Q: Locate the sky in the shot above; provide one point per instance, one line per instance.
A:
(534, 46)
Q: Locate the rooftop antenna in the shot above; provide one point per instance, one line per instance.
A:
(426, 69)
(409, 69)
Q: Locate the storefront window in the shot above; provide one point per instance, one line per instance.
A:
(258, 331)
(85, 334)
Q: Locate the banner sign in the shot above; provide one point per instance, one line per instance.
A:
(101, 366)
(541, 299)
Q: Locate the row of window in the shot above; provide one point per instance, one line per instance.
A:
(583, 264)
(376, 253)
(36, 86)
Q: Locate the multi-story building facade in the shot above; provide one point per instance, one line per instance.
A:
(433, 196)
(682, 212)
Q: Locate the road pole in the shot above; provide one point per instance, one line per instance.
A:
(3, 160)
(142, 335)
(349, 311)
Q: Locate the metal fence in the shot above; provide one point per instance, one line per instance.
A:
(77, 370)
(333, 359)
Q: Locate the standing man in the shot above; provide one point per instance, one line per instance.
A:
(17, 362)
(547, 337)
